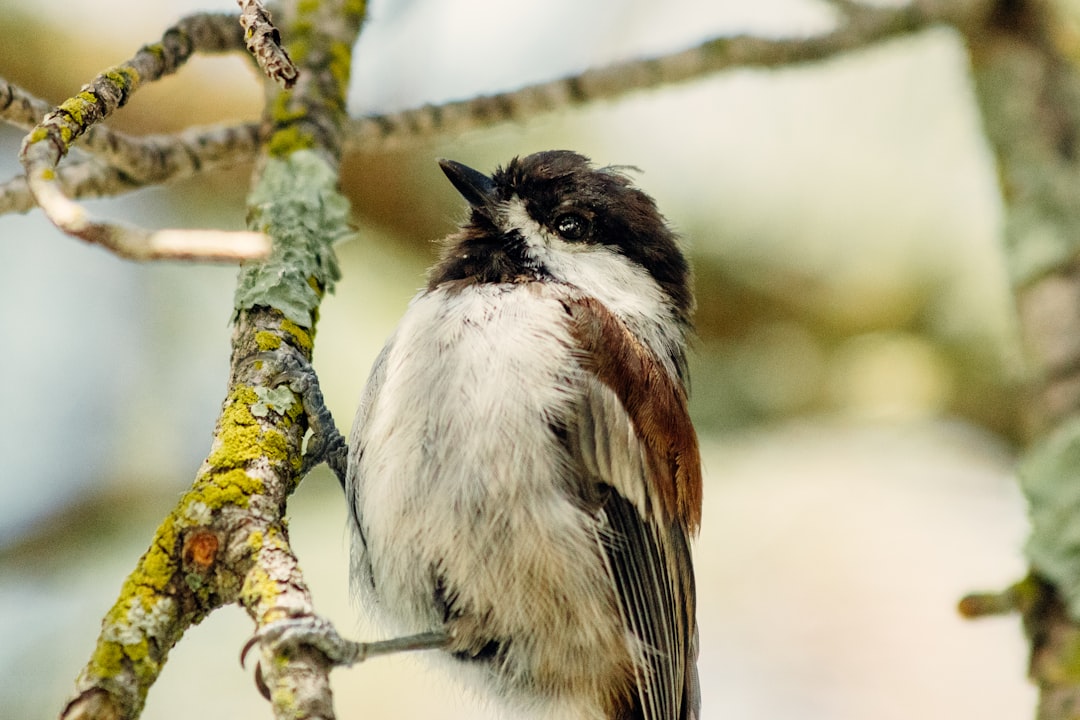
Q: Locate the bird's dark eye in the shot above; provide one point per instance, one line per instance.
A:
(571, 226)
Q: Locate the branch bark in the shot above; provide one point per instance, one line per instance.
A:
(225, 541)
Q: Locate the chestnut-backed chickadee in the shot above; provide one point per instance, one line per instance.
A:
(523, 473)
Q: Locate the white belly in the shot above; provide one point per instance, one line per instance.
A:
(465, 493)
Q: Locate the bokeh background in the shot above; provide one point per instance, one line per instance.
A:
(855, 384)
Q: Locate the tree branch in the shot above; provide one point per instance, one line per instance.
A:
(145, 161)
(1029, 95)
(52, 138)
(861, 26)
(122, 162)
(296, 201)
(225, 541)
(264, 43)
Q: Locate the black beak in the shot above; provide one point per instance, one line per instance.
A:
(474, 186)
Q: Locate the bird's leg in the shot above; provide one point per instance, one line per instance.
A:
(283, 636)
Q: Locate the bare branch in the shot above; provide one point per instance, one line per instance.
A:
(139, 162)
(20, 108)
(52, 138)
(863, 25)
(264, 42)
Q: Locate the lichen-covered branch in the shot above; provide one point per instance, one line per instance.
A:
(44, 147)
(226, 542)
(199, 558)
(296, 201)
(147, 161)
(123, 162)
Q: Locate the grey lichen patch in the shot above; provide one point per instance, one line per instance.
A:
(1050, 478)
(298, 205)
(278, 399)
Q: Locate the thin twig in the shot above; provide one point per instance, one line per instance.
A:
(52, 138)
(264, 42)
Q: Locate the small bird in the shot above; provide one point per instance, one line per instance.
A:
(523, 473)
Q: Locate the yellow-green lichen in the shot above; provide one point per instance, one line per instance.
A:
(284, 697)
(341, 66)
(39, 134)
(155, 49)
(107, 659)
(287, 140)
(142, 611)
(355, 8)
(76, 107)
(233, 487)
(138, 652)
(111, 658)
(284, 111)
(259, 592)
(124, 77)
(267, 341)
(48, 174)
(241, 439)
(1067, 670)
(157, 564)
(300, 42)
(301, 335)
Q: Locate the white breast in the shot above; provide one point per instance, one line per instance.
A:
(460, 475)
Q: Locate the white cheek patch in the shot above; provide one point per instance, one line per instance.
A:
(623, 286)
(518, 218)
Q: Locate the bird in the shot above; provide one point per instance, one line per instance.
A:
(523, 474)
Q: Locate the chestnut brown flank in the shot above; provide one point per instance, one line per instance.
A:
(655, 402)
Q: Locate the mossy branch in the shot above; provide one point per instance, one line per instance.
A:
(296, 200)
(51, 140)
(226, 541)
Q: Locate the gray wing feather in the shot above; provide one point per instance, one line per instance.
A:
(648, 560)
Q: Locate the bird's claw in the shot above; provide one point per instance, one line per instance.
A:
(326, 443)
(285, 636)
